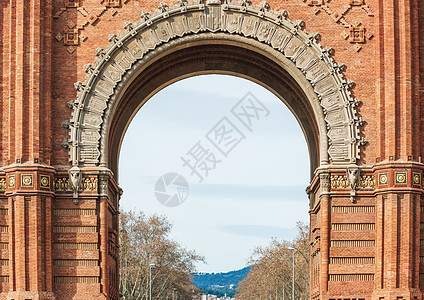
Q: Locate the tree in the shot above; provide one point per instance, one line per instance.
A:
(271, 269)
(145, 240)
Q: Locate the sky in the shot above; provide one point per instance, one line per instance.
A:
(231, 157)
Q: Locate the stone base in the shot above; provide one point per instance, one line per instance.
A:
(30, 295)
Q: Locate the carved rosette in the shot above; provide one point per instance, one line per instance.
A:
(168, 23)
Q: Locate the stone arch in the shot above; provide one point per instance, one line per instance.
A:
(321, 78)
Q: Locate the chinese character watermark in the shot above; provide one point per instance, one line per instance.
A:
(201, 160)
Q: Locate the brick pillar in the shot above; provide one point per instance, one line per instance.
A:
(325, 231)
(30, 237)
(398, 81)
(397, 246)
(103, 245)
(104, 232)
(27, 143)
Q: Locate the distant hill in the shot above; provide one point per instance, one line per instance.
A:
(220, 282)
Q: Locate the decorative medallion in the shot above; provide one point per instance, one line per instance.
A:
(71, 37)
(357, 34)
(416, 178)
(401, 178)
(27, 180)
(383, 179)
(45, 181)
(12, 181)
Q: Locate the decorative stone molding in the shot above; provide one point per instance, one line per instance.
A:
(88, 124)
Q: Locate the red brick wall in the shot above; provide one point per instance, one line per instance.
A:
(53, 246)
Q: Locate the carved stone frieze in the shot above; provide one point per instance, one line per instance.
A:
(341, 182)
(89, 121)
(366, 182)
(63, 185)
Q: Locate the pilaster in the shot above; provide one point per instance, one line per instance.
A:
(29, 193)
(399, 189)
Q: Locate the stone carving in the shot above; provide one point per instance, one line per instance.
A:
(2, 184)
(325, 183)
(366, 182)
(89, 184)
(352, 176)
(338, 150)
(75, 181)
(89, 121)
(63, 185)
(104, 181)
(338, 132)
(341, 182)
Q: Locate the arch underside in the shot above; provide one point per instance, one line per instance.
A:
(235, 39)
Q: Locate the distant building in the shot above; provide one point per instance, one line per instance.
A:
(214, 297)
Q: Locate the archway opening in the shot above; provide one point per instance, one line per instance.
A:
(268, 160)
(255, 193)
(241, 40)
(216, 56)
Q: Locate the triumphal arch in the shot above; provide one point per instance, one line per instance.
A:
(74, 72)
